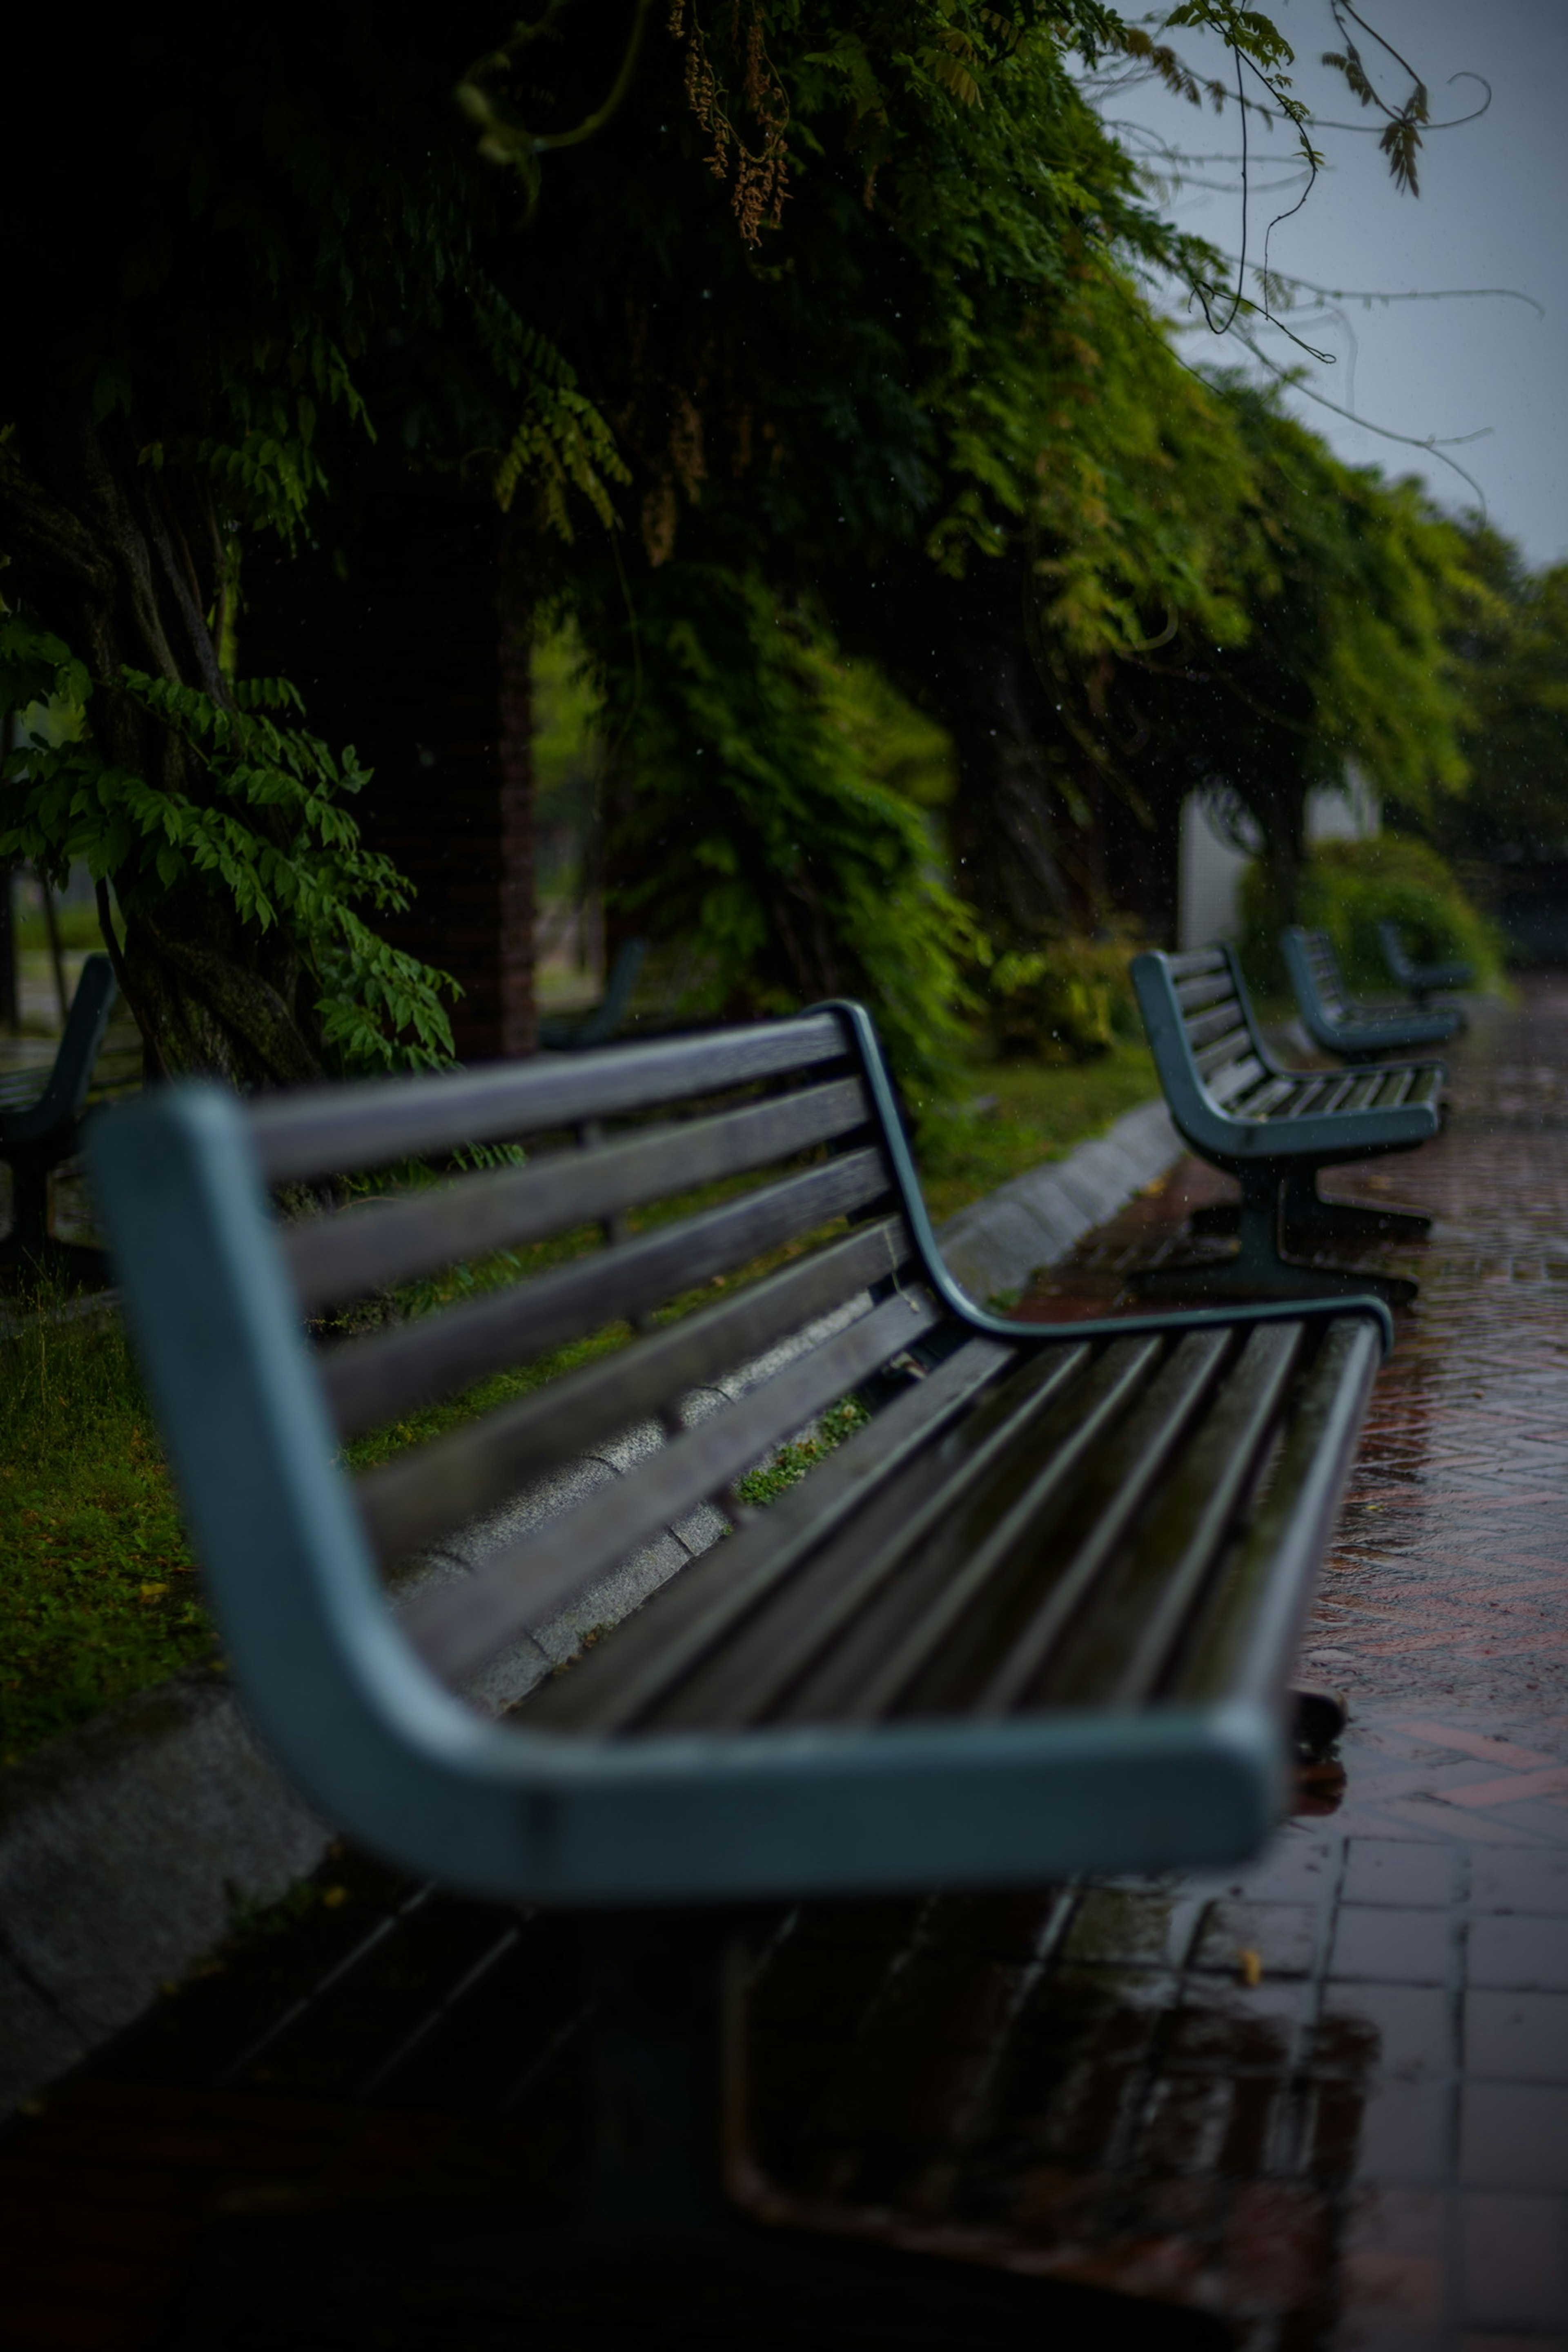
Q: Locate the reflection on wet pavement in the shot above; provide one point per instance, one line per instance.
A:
(1324, 2099)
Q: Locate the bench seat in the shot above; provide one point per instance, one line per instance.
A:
(1036, 1615)
(1274, 1127)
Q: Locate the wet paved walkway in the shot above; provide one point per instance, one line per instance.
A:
(1324, 2101)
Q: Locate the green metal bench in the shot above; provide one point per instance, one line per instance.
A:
(1273, 1128)
(1420, 981)
(40, 1127)
(1333, 1020)
(605, 1020)
(1037, 1615)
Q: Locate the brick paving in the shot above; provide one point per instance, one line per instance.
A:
(1322, 2101)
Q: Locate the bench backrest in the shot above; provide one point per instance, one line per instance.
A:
(1395, 955)
(655, 1176)
(1315, 976)
(1205, 993)
(65, 1089)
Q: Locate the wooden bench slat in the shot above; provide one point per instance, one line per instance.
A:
(720, 1598)
(379, 1243)
(1247, 1639)
(424, 1493)
(1225, 1020)
(1265, 1102)
(371, 1381)
(1226, 1083)
(1235, 1046)
(1121, 1480)
(1196, 960)
(1193, 995)
(1120, 1373)
(1124, 1654)
(795, 1662)
(324, 1131)
(462, 1627)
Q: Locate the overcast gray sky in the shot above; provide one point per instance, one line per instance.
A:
(1492, 212)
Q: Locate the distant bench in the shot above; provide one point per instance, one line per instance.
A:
(1420, 981)
(1333, 1020)
(1273, 1128)
(40, 1127)
(1037, 1616)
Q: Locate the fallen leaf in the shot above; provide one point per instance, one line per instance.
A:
(1251, 1968)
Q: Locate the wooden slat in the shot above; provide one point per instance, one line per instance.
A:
(1311, 1097)
(1244, 1642)
(1124, 1475)
(727, 1590)
(426, 1490)
(1236, 1040)
(1138, 1634)
(1428, 1084)
(379, 1243)
(794, 1663)
(1193, 993)
(1119, 1376)
(325, 1130)
(370, 1381)
(460, 1628)
(1198, 961)
(1225, 1020)
(1265, 1102)
(1226, 1084)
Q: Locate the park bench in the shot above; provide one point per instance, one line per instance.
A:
(605, 1020)
(40, 1127)
(1334, 1021)
(1273, 1128)
(1037, 1615)
(1420, 981)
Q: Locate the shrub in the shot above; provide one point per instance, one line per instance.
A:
(1348, 889)
(1070, 1003)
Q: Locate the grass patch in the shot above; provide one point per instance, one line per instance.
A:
(101, 1598)
(98, 1598)
(1041, 1112)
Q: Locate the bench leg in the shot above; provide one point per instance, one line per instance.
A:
(1260, 1269)
(29, 1249)
(662, 2255)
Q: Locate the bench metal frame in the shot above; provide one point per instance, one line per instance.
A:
(1273, 1128)
(1333, 1018)
(390, 1753)
(37, 1135)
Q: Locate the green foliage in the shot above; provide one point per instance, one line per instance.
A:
(756, 836)
(274, 836)
(1511, 648)
(1351, 887)
(1070, 1003)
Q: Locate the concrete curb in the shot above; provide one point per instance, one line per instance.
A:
(129, 1849)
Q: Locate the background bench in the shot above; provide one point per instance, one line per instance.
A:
(1420, 981)
(1273, 1128)
(1333, 1020)
(1037, 1615)
(40, 1127)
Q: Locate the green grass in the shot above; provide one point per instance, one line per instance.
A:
(101, 1598)
(1042, 1113)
